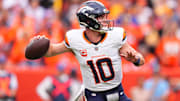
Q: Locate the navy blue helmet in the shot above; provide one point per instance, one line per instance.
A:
(88, 13)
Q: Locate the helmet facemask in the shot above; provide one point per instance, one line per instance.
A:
(105, 23)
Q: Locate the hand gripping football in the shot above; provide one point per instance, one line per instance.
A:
(37, 47)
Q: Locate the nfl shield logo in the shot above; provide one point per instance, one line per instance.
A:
(96, 48)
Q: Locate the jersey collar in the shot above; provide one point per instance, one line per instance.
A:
(90, 42)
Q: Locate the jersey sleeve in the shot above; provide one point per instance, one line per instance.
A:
(124, 37)
(72, 38)
(67, 39)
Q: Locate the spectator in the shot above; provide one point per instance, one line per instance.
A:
(151, 60)
(57, 87)
(8, 82)
(35, 15)
(157, 87)
(168, 48)
(174, 89)
(76, 84)
(138, 93)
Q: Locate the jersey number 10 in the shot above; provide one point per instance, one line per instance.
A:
(99, 66)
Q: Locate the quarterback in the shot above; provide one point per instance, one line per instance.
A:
(98, 47)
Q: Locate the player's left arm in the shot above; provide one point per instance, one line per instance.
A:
(131, 54)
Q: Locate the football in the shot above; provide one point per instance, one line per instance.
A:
(37, 48)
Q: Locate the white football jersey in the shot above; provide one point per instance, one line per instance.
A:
(100, 63)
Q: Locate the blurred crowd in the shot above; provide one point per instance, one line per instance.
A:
(20, 20)
(152, 26)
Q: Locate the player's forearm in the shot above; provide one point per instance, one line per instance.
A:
(137, 58)
(131, 55)
(55, 49)
(50, 51)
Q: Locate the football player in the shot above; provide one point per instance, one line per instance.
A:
(98, 48)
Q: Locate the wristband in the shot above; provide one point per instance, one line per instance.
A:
(137, 63)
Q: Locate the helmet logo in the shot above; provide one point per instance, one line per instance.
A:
(83, 9)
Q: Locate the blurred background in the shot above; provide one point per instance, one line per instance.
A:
(152, 26)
